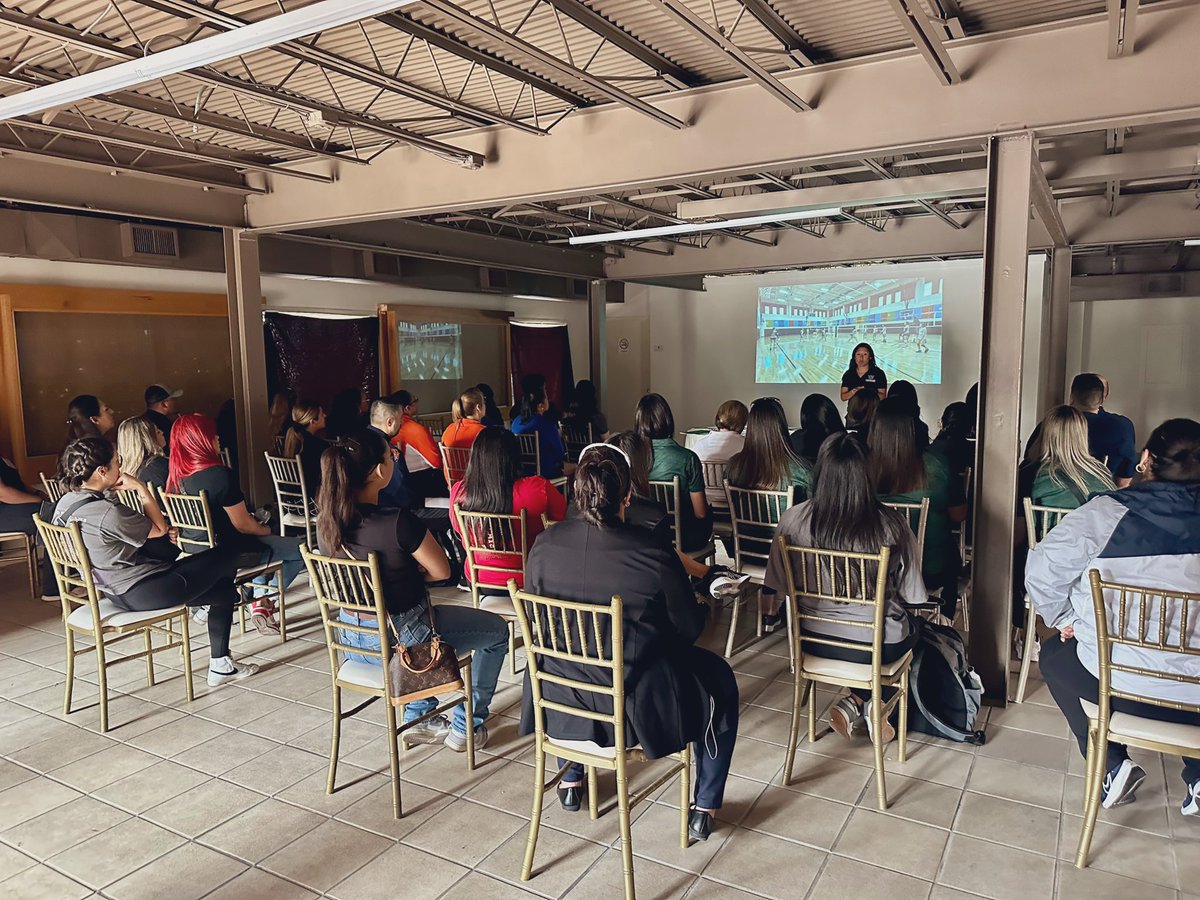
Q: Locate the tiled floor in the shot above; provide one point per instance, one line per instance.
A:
(225, 798)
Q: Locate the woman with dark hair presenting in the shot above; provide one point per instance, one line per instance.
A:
(819, 419)
(675, 692)
(863, 374)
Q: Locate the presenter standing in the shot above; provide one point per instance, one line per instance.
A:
(863, 374)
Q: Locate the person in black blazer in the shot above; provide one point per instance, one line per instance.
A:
(675, 692)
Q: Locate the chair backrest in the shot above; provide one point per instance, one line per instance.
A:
(918, 517)
(1149, 623)
(586, 635)
(353, 585)
(226, 458)
(575, 438)
(964, 527)
(436, 423)
(54, 490)
(666, 494)
(503, 538)
(1039, 520)
(291, 493)
(836, 577)
(191, 515)
(531, 452)
(754, 514)
(454, 463)
(132, 499)
(71, 564)
(277, 443)
(714, 478)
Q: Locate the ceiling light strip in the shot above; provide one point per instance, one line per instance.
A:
(695, 227)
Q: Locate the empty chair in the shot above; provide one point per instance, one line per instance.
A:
(291, 495)
(1038, 522)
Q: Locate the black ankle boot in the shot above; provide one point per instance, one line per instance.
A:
(571, 798)
(699, 824)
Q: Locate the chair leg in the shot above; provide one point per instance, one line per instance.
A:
(1027, 652)
(626, 832)
(903, 736)
(877, 742)
(31, 558)
(282, 607)
(149, 657)
(593, 793)
(798, 685)
(1092, 791)
(733, 623)
(394, 760)
(812, 712)
(535, 820)
(69, 684)
(185, 640)
(336, 739)
(685, 796)
(469, 710)
(102, 676)
(512, 646)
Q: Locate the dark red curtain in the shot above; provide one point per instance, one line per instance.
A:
(543, 350)
(317, 358)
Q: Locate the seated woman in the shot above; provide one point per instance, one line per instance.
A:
(584, 410)
(722, 444)
(88, 416)
(675, 693)
(195, 466)
(860, 412)
(767, 463)
(654, 421)
(531, 418)
(844, 514)
(904, 474)
(819, 418)
(1147, 534)
(116, 536)
(140, 446)
(953, 439)
(352, 524)
(492, 416)
(467, 411)
(18, 506)
(302, 439)
(493, 483)
(347, 413)
(905, 394)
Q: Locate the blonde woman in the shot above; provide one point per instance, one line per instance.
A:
(1067, 474)
(308, 419)
(468, 411)
(140, 446)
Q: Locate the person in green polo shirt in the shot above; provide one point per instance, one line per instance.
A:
(654, 421)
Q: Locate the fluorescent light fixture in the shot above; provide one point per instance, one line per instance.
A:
(1192, 242)
(694, 227)
(540, 297)
(245, 39)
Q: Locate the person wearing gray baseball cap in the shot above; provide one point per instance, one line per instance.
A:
(161, 409)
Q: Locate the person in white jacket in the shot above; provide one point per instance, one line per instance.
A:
(1147, 534)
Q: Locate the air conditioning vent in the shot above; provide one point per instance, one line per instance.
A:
(493, 279)
(148, 241)
(1171, 283)
(577, 288)
(381, 265)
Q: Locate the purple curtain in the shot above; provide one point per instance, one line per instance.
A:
(544, 351)
(317, 358)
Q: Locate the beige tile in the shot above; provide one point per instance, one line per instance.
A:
(424, 876)
(173, 738)
(558, 863)
(1028, 784)
(1007, 822)
(110, 855)
(288, 723)
(1095, 884)
(24, 733)
(56, 752)
(991, 870)
(757, 760)
(63, 827)
(941, 892)
(703, 889)
(12, 862)
(1121, 851)
(30, 799)
(130, 718)
(442, 769)
(828, 777)
(930, 762)
(465, 832)
(352, 785)
(1045, 720)
(238, 708)
(191, 871)
(326, 855)
(606, 879)
(508, 788)
(358, 734)
(902, 846)
(42, 881)
(203, 807)
(150, 786)
(1027, 748)
(100, 769)
(475, 886)
(847, 878)
(604, 830)
(374, 811)
(260, 831)
(260, 885)
(226, 751)
(766, 724)
(18, 677)
(656, 836)
(915, 799)
(765, 865)
(288, 765)
(786, 814)
(11, 774)
(13, 712)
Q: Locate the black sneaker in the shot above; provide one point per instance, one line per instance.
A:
(1121, 784)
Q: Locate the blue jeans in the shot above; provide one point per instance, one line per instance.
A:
(464, 629)
(285, 550)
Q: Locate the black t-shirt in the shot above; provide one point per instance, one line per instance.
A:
(223, 490)
(154, 471)
(874, 378)
(10, 477)
(647, 514)
(394, 535)
(164, 425)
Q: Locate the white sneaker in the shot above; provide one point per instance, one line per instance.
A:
(431, 731)
(1191, 803)
(200, 615)
(889, 732)
(223, 670)
(726, 584)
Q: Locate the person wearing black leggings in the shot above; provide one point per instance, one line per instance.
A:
(132, 560)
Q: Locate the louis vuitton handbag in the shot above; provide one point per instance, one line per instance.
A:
(422, 670)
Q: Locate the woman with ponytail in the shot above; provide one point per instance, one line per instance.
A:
(533, 416)
(301, 439)
(351, 524)
(195, 466)
(88, 416)
(468, 411)
(1147, 534)
(675, 692)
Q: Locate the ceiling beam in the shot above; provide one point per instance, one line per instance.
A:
(1045, 207)
(518, 45)
(887, 174)
(1122, 27)
(924, 34)
(671, 72)
(770, 19)
(683, 15)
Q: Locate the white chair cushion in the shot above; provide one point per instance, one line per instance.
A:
(112, 616)
(704, 552)
(756, 573)
(588, 747)
(500, 604)
(820, 667)
(364, 674)
(295, 519)
(254, 571)
(437, 502)
(1131, 727)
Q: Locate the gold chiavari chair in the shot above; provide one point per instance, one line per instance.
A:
(817, 578)
(495, 543)
(1136, 625)
(86, 612)
(226, 459)
(435, 423)
(575, 438)
(291, 494)
(131, 499)
(754, 516)
(52, 487)
(28, 548)
(560, 633)
(355, 587)
(531, 452)
(667, 494)
(714, 481)
(917, 515)
(454, 463)
(1038, 522)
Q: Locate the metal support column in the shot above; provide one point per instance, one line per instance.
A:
(1005, 265)
(248, 353)
(1052, 374)
(600, 294)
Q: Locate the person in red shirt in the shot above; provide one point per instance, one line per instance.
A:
(461, 433)
(421, 453)
(494, 484)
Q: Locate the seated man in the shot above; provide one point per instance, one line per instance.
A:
(161, 410)
(419, 449)
(1110, 437)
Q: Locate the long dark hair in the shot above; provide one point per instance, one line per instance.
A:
(853, 367)
(530, 401)
(896, 463)
(345, 416)
(845, 512)
(819, 419)
(1175, 451)
(345, 467)
(493, 469)
(80, 412)
(860, 411)
(491, 410)
(904, 392)
(766, 461)
(653, 419)
(583, 402)
(601, 486)
(641, 457)
(81, 459)
(957, 422)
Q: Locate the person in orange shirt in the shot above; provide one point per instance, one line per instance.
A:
(468, 414)
(421, 453)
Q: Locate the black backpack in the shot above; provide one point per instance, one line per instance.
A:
(944, 691)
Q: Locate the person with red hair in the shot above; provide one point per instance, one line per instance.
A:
(195, 466)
